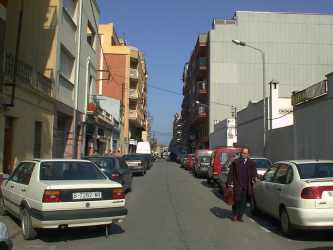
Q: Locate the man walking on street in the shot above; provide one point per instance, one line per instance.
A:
(242, 175)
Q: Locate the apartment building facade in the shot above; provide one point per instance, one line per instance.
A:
(28, 82)
(127, 83)
(49, 78)
(195, 112)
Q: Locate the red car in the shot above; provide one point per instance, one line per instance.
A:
(189, 164)
(219, 161)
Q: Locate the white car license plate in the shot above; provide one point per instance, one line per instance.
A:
(87, 195)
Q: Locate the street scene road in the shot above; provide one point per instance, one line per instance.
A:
(169, 209)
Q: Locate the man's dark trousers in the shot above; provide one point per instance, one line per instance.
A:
(239, 207)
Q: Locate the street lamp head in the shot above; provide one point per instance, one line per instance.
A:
(238, 42)
(197, 102)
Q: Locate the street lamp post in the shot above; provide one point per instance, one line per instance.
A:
(244, 44)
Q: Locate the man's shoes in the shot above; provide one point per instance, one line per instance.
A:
(240, 219)
(234, 218)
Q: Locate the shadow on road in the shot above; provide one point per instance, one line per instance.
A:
(221, 213)
(72, 234)
(217, 193)
(206, 184)
(271, 224)
(319, 248)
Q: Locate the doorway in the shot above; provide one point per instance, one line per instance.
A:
(8, 145)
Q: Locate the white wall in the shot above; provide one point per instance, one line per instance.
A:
(224, 134)
(314, 126)
(298, 48)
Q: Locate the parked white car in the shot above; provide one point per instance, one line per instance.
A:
(60, 194)
(298, 193)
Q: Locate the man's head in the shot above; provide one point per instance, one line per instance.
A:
(245, 153)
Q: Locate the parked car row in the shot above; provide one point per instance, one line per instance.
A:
(298, 193)
(62, 193)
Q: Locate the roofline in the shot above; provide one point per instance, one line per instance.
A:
(281, 12)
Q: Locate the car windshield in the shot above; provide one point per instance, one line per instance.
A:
(204, 159)
(262, 163)
(315, 170)
(134, 157)
(66, 170)
(105, 163)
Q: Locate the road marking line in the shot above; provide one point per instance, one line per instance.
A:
(265, 229)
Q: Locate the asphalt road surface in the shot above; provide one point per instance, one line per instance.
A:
(170, 209)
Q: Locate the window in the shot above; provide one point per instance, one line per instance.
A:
(91, 34)
(106, 163)
(262, 163)
(68, 170)
(23, 172)
(282, 174)
(38, 140)
(71, 8)
(67, 65)
(269, 175)
(315, 170)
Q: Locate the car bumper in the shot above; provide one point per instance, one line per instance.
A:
(137, 170)
(311, 218)
(202, 171)
(77, 218)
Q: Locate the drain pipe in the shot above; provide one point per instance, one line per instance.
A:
(76, 89)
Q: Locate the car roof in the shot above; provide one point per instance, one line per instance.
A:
(103, 157)
(306, 161)
(258, 158)
(58, 160)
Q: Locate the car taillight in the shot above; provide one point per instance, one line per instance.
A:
(315, 192)
(115, 176)
(118, 194)
(51, 196)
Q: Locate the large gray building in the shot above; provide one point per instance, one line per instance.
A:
(298, 48)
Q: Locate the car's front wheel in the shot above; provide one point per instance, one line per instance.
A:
(28, 231)
(2, 206)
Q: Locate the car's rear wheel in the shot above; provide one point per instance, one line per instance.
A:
(28, 231)
(286, 227)
(2, 206)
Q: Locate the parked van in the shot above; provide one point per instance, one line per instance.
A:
(219, 161)
(202, 162)
(143, 147)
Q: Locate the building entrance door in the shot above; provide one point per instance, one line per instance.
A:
(8, 146)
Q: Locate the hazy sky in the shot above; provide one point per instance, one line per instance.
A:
(166, 31)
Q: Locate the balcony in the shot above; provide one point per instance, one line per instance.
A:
(134, 74)
(203, 63)
(202, 111)
(98, 114)
(133, 114)
(133, 94)
(203, 87)
(27, 76)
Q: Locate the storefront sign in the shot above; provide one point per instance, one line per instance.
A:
(310, 93)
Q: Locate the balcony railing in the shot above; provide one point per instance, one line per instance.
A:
(133, 114)
(133, 94)
(203, 87)
(134, 73)
(94, 108)
(202, 111)
(26, 75)
(203, 62)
